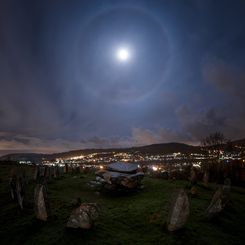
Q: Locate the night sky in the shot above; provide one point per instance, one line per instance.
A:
(63, 87)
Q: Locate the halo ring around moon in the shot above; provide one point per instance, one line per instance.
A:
(126, 95)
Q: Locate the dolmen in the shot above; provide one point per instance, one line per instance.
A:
(119, 176)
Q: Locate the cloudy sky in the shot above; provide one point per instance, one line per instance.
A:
(63, 86)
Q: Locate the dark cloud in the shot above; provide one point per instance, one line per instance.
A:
(198, 125)
(226, 77)
(141, 136)
(62, 89)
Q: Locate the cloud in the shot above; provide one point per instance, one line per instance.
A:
(141, 136)
(229, 80)
(199, 124)
(22, 143)
(33, 144)
(225, 77)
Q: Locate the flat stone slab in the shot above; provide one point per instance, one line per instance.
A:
(123, 167)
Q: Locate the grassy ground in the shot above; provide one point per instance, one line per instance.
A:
(136, 218)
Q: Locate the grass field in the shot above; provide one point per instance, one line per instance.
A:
(135, 218)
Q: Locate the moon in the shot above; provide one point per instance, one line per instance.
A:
(123, 54)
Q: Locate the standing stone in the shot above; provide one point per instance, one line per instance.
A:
(66, 168)
(13, 181)
(46, 173)
(216, 204)
(226, 191)
(61, 170)
(194, 192)
(227, 185)
(179, 211)
(193, 177)
(78, 169)
(55, 171)
(206, 178)
(40, 198)
(20, 191)
(17, 183)
(83, 216)
(36, 173)
(52, 172)
(49, 174)
(42, 171)
(73, 170)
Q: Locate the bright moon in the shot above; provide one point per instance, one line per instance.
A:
(123, 54)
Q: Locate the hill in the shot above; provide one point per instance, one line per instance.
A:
(164, 148)
(33, 157)
(240, 142)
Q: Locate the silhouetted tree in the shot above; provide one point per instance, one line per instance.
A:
(213, 144)
(214, 141)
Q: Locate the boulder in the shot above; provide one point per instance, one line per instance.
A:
(179, 211)
(84, 216)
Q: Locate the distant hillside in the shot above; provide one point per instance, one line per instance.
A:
(33, 157)
(149, 149)
(164, 148)
(240, 142)
(167, 148)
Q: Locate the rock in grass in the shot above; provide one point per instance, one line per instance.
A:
(179, 211)
(84, 216)
(40, 198)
